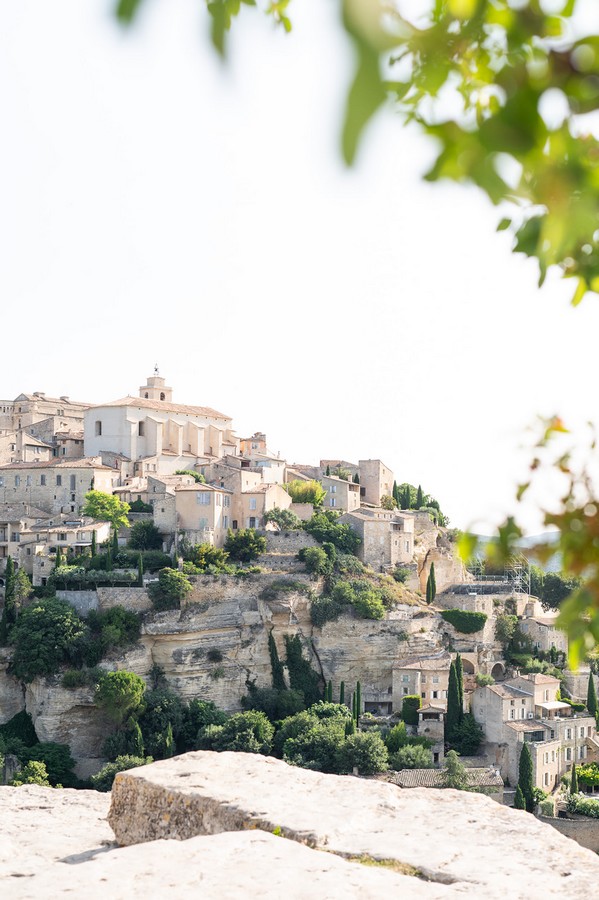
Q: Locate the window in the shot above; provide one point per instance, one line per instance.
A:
(98, 428)
(405, 678)
(435, 679)
(523, 702)
(73, 497)
(203, 523)
(512, 702)
(43, 480)
(28, 551)
(17, 480)
(73, 482)
(58, 482)
(546, 695)
(252, 503)
(203, 498)
(423, 695)
(553, 756)
(218, 499)
(405, 691)
(62, 535)
(16, 537)
(568, 734)
(162, 395)
(424, 679)
(512, 713)
(568, 754)
(140, 429)
(64, 451)
(333, 501)
(546, 779)
(28, 480)
(333, 489)
(225, 521)
(581, 752)
(226, 500)
(435, 695)
(582, 732)
(407, 546)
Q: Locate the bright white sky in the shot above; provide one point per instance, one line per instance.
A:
(156, 206)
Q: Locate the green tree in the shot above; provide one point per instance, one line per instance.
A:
(328, 472)
(316, 561)
(419, 498)
(140, 571)
(47, 635)
(9, 612)
(387, 502)
(454, 773)
(121, 694)
(356, 478)
(205, 556)
(574, 780)
(433, 581)
(302, 676)
(172, 587)
(592, 696)
(199, 479)
(459, 671)
(364, 751)
(284, 519)
(324, 527)
(115, 542)
(106, 508)
(144, 536)
(104, 779)
(162, 708)
(306, 492)
(505, 629)
(58, 559)
(245, 545)
(454, 713)
(32, 773)
(58, 761)
(411, 756)
(94, 547)
(467, 735)
(247, 732)
(519, 801)
(276, 666)
(409, 709)
(525, 777)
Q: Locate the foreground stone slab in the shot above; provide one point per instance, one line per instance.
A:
(449, 837)
(234, 865)
(43, 825)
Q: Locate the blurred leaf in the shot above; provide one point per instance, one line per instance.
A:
(505, 223)
(580, 291)
(126, 10)
(365, 96)
(467, 545)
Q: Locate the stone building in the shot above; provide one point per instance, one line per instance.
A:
(160, 436)
(20, 446)
(376, 481)
(40, 415)
(200, 512)
(16, 518)
(424, 676)
(340, 494)
(39, 543)
(526, 708)
(387, 538)
(55, 486)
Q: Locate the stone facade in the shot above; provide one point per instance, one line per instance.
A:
(376, 481)
(340, 494)
(55, 486)
(387, 538)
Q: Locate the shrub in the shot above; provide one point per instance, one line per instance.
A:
(145, 536)
(316, 743)
(103, 780)
(214, 655)
(396, 737)
(467, 735)
(285, 519)
(302, 676)
(276, 704)
(412, 756)
(153, 560)
(547, 807)
(401, 574)
(58, 762)
(120, 694)
(162, 708)
(463, 621)
(45, 638)
(579, 804)
(20, 728)
(245, 545)
(205, 556)
(283, 586)
(409, 709)
(364, 751)
(197, 714)
(32, 773)
(117, 627)
(198, 478)
(247, 732)
(305, 492)
(324, 527)
(74, 678)
(172, 587)
(368, 604)
(316, 561)
(324, 609)
(483, 680)
(138, 506)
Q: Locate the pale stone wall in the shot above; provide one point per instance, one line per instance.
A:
(583, 830)
(59, 488)
(135, 599)
(376, 481)
(81, 601)
(288, 541)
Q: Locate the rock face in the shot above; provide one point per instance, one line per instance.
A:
(450, 838)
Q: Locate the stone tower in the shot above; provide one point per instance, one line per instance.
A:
(155, 388)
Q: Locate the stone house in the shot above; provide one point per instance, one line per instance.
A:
(424, 676)
(160, 436)
(41, 415)
(68, 444)
(20, 446)
(376, 481)
(387, 538)
(484, 779)
(16, 518)
(39, 542)
(55, 485)
(544, 634)
(257, 501)
(200, 511)
(526, 708)
(340, 494)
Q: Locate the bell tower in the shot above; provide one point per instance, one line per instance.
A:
(156, 389)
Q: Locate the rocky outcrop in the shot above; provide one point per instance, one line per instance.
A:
(12, 692)
(464, 842)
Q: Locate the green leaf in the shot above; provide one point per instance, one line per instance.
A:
(505, 223)
(580, 291)
(126, 10)
(366, 94)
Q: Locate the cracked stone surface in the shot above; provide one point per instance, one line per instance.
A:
(451, 837)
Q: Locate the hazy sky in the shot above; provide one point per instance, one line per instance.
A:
(156, 206)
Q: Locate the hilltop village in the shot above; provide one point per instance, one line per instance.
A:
(333, 562)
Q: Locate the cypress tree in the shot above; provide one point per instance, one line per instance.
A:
(115, 543)
(328, 472)
(137, 741)
(276, 666)
(342, 693)
(330, 691)
(108, 564)
(452, 716)
(140, 570)
(350, 727)
(358, 702)
(429, 589)
(433, 581)
(574, 780)
(58, 560)
(94, 543)
(419, 498)
(525, 781)
(9, 613)
(460, 676)
(169, 743)
(395, 493)
(592, 705)
(356, 478)
(519, 801)
(405, 498)
(353, 706)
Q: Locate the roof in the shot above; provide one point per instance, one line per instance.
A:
(202, 487)
(554, 704)
(59, 401)
(64, 527)
(411, 778)
(142, 403)
(261, 488)
(368, 515)
(537, 678)
(85, 462)
(507, 691)
(13, 512)
(433, 662)
(525, 725)
(31, 440)
(69, 435)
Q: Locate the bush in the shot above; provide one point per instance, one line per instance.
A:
(74, 678)
(138, 506)
(483, 680)
(145, 536)
(579, 804)
(316, 561)
(205, 556)
(116, 627)
(412, 756)
(58, 762)
(396, 737)
(161, 708)
(247, 732)
(245, 545)
(103, 780)
(364, 751)
(153, 560)
(368, 604)
(172, 587)
(302, 676)
(198, 714)
(409, 709)
(276, 704)
(324, 609)
(463, 621)
(199, 479)
(305, 491)
(401, 574)
(20, 727)
(32, 773)
(120, 694)
(316, 744)
(282, 586)
(284, 519)
(45, 637)
(324, 527)
(467, 735)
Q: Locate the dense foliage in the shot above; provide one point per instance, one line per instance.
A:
(106, 508)
(245, 544)
(464, 621)
(284, 519)
(172, 587)
(144, 536)
(46, 636)
(325, 528)
(104, 779)
(306, 492)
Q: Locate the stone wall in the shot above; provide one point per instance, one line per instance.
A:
(583, 830)
(135, 599)
(81, 601)
(288, 541)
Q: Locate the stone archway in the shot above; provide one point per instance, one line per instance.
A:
(467, 666)
(498, 671)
